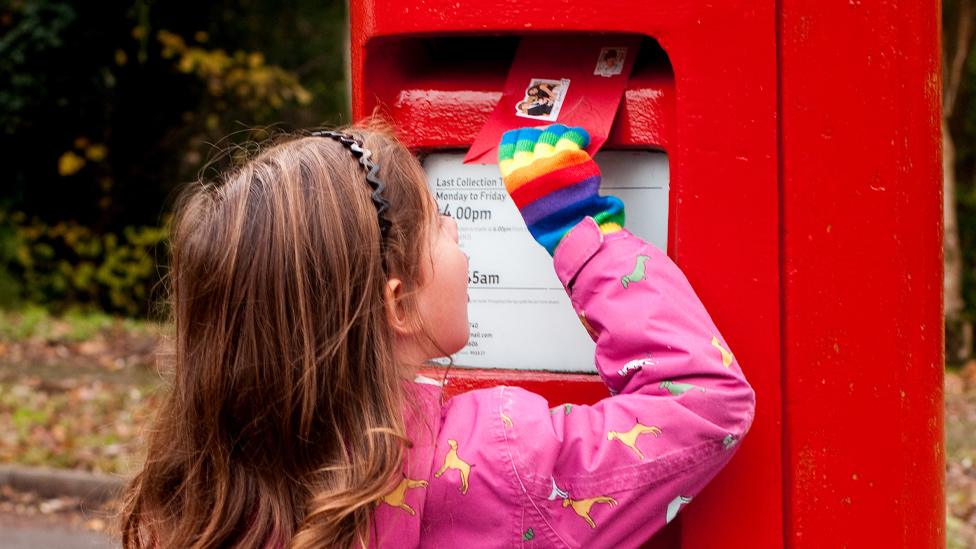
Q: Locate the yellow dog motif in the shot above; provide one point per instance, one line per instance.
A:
(397, 498)
(586, 324)
(629, 438)
(583, 506)
(452, 461)
(726, 354)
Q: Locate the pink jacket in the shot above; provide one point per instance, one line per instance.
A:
(500, 468)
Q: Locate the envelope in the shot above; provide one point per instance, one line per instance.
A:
(576, 81)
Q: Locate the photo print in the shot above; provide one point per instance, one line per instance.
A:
(537, 90)
(610, 62)
(542, 99)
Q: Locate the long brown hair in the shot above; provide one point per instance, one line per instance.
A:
(284, 421)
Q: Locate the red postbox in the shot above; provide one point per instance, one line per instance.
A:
(804, 207)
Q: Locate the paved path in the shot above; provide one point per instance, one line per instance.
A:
(31, 532)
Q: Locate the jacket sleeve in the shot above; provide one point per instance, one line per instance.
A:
(613, 474)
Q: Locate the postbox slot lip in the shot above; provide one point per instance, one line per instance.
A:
(423, 152)
(413, 76)
(437, 60)
(507, 372)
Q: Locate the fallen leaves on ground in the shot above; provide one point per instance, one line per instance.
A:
(73, 423)
(77, 403)
(960, 423)
(57, 511)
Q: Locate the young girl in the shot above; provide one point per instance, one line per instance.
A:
(309, 285)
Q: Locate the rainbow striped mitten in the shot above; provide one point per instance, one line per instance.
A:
(554, 182)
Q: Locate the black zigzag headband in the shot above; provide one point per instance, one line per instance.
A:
(364, 156)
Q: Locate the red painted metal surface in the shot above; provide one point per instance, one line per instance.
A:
(803, 148)
(714, 114)
(440, 90)
(862, 274)
(572, 387)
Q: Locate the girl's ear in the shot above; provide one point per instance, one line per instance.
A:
(395, 314)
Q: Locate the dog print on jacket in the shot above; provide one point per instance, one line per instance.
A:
(583, 506)
(565, 408)
(674, 507)
(556, 492)
(452, 461)
(727, 357)
(678, 389)
(635, 365)
(586, 324)
(397, 498)
(637, 274)
(629, 438)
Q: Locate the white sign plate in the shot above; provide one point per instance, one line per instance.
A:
(519, 313)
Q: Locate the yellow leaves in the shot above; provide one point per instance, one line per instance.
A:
(145, 236)
(96, 153)
(185, 65)
(58, 417)
(121, 58)
(70, 262)
(70, 163)
(255, 59)
(261, 78)
(173, 44)
(303, 96)
(211, 63)
(243, 75)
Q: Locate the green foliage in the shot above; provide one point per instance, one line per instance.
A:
(39, 30)
(30, 322)
(242, 80)
(73, 423)
(74, 325)
(966, 218)
(104, 112)
(66, 264)
(76, 389)
(962, 127)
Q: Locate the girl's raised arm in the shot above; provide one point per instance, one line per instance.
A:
(611, 474)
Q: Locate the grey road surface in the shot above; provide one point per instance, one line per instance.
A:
(19, 532)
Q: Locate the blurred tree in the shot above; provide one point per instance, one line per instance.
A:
(108, 106)
(959, 188)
